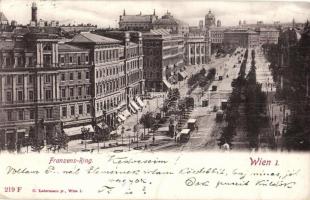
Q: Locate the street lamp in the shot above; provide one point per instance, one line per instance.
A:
(123, 128)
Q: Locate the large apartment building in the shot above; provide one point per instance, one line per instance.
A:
(48, 86)
(163, 59)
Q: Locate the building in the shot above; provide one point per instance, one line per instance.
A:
(78, 28)
(201, 26)
(4, 22)
(209, 20)
(44, 84)
(163, 59)
(172, 24)
(268, 35)
(117, 72)
(34, 13)
(197, 49)
(137, 22)
(216, 35)
(241, 38)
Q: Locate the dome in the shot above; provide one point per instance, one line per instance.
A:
(210, 15)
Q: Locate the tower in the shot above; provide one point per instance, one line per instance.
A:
(209, 20)
(200, 24)
(34, 10)
(218, 23)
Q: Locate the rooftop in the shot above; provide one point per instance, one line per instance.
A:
(86, 37)
(68, 47)
(137, 18)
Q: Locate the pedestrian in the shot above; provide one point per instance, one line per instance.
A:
(145, 146)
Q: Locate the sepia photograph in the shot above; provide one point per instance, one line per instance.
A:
(110, 78)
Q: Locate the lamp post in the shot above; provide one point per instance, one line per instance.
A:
(123, 128)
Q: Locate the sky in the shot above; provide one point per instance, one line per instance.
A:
(106, 13)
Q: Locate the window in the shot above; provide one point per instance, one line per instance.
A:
(100, 73)
(97, 74)
(19, 95)
(79, 75)
(31, 77)
(79, 60)
(87, 75)
(97, 106)
(9, 113)
(71, 92)
(20, 79)
(8, 96)
(101, 106)
(80, 109)
(88, 90)
(62, 59)
(8, 80)
(72, 108)
(71, 59)
(8, 62)
(48, 94)
(80, 91)
(64, 111)
(47, 78)
(63, 77)
(86, 58)
(63, 93)
(71, 76)
(30, 95)
(20, 115)
(49, 113)
(31, 114)
(88, 108)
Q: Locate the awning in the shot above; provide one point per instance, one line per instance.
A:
(77, 130)
(183, 75)
(168, 85)
(132, 109)
(140, 102)
(134, 105)
(73, 131)
(191, 121)
(10, 131)
(123, 118)
(21, 130)
(126, 113)
(90, 127)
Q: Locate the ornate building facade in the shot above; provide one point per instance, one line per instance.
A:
(163, 59)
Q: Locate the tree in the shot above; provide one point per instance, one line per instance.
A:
(85, 134)
(60, 141)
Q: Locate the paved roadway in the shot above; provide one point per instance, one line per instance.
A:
(208, 129)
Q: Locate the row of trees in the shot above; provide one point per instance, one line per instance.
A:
(232, 111)
(255, 104)
(290, 62)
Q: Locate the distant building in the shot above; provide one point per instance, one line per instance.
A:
(218, 23)
(209, 20)
(4, 22)
(78, 28)
(34, 14)
(268, 35)
(241, 38)
(172, 24)
(137, 22)
(163, 59)
(217, 35)
(197, 49)
(201, 26)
